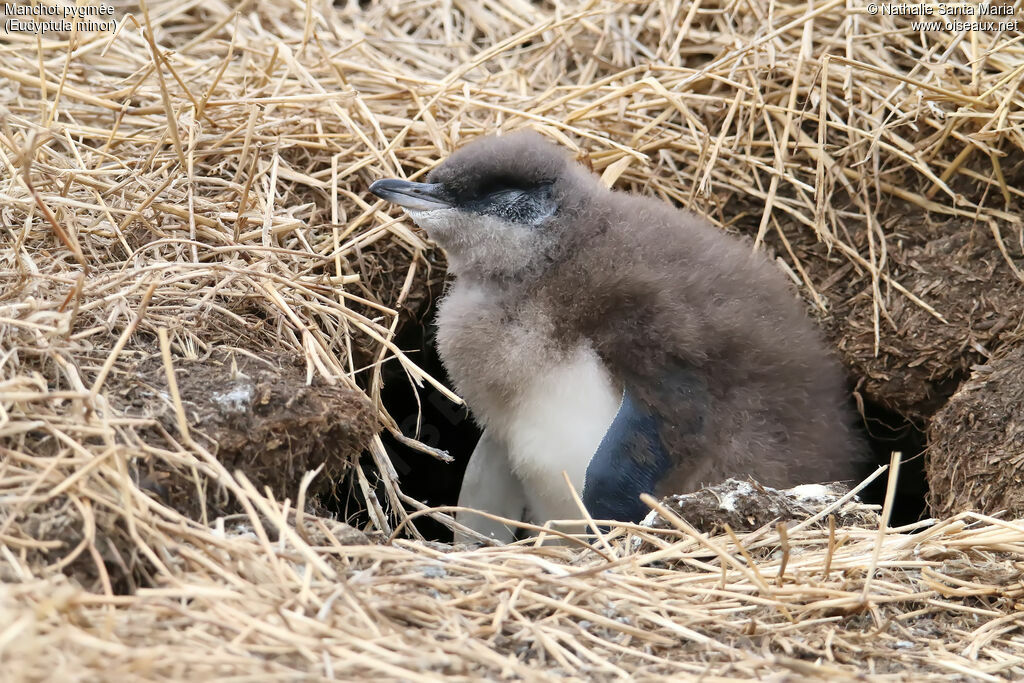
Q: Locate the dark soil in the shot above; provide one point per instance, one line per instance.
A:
(956, 267)
(975, 458)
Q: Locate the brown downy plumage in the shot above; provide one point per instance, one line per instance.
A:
(713, 350)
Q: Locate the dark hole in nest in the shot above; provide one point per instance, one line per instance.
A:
(435, 421)
(889, 431)
(423, 413)
(449, 427)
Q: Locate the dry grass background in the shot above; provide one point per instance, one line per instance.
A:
(195, 183)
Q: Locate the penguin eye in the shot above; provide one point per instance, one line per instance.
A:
(511, 199)
(494, 187)
(504, 195)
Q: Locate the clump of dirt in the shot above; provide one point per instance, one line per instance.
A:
(975, 458)
(257, 415)
(746, 506)
(957, 268)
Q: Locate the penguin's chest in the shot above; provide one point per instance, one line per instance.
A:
(550, 405)
(555, 425)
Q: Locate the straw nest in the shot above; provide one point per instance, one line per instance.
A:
(198, 297)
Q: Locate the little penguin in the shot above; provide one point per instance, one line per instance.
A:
(619, 339)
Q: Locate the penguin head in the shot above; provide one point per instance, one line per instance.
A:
(498, 206)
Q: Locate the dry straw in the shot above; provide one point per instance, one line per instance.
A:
(196, 181)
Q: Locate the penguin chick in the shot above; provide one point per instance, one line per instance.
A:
(616, 338)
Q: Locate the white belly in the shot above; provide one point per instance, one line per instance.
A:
(555, 425)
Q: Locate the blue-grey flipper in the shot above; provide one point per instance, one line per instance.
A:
(654, 423)
(490, 485)
(629, 461)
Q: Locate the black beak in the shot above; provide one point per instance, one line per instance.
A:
(405, 193)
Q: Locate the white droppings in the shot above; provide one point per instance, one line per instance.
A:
(812, 491)
(237, 399)
(240, 530)
(739, 488)
(648, 521)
